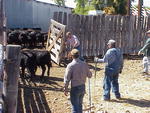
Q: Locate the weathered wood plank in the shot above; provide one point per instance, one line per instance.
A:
(90, 35)
(60, 17)
(56, 24)
(1, 22)
(55, 16)
(12, 71)
(65, 19)
(86, 36)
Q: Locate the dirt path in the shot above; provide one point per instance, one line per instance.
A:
(48, 97)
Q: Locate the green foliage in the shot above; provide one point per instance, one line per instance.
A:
(98, 4)
(60, 2)
(120, 7)
(147, 8)
(112, 6)
(81, 7)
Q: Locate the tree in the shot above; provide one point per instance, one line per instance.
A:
(109, 6)
(98, 4)
(120, 6)
(116, 6)
(82, 7)
(60, 2)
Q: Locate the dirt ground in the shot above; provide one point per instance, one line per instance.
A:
(48, 97)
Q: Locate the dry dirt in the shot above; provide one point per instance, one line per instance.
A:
(48, 97)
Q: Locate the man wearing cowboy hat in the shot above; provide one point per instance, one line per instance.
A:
(114, 64)
(146, 51)
(77, 71)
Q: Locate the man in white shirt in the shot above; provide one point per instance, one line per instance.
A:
(72, 40)
(74, 43)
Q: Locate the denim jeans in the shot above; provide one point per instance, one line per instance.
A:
(76, 97)
(146, 62)
(111, 81)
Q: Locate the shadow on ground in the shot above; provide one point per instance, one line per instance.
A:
(31, 98)
(32, 101)
(139, 103)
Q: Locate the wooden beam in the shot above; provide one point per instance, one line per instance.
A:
(129, 7)
(53, 43)
(59, 25)
(140, 4)
(12, 72)
(2, 24)
(1, 21)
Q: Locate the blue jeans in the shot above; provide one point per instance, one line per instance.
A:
(111, 81)
(76, 97)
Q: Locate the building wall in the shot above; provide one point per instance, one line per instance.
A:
(30, 13)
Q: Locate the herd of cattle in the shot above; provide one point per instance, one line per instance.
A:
(29, 38)
(33, 58)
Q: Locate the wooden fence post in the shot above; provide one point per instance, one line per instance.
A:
(12, 72)
(1, 21)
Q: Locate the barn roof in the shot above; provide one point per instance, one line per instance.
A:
(52, 3)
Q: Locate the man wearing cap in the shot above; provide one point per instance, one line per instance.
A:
(77, 71)
(114, 64)
(146, 51)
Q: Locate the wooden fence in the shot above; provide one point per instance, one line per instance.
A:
(95, 31)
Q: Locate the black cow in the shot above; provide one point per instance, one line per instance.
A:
(23, 38)
(32, 39)
(40, 38)
(28, 62)
(13, 37)
(43, 59)
(40, 58)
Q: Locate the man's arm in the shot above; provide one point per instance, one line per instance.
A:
(104, 59)
(76, 41)
(67, 77)
(147, 45)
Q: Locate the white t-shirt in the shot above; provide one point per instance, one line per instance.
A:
(73, 41)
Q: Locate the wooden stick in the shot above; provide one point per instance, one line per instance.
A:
(90, 100)
(88, 109)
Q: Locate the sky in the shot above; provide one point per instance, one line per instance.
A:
(146, 2)
(70, 3)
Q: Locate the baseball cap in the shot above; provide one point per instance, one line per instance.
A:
(148, 32)
(75, 52)
(111, 41)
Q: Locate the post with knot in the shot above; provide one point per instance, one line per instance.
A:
(12, 73)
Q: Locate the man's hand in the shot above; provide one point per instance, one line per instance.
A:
(66, 93)
(65, 43)
(96, 59)
(120, 71)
